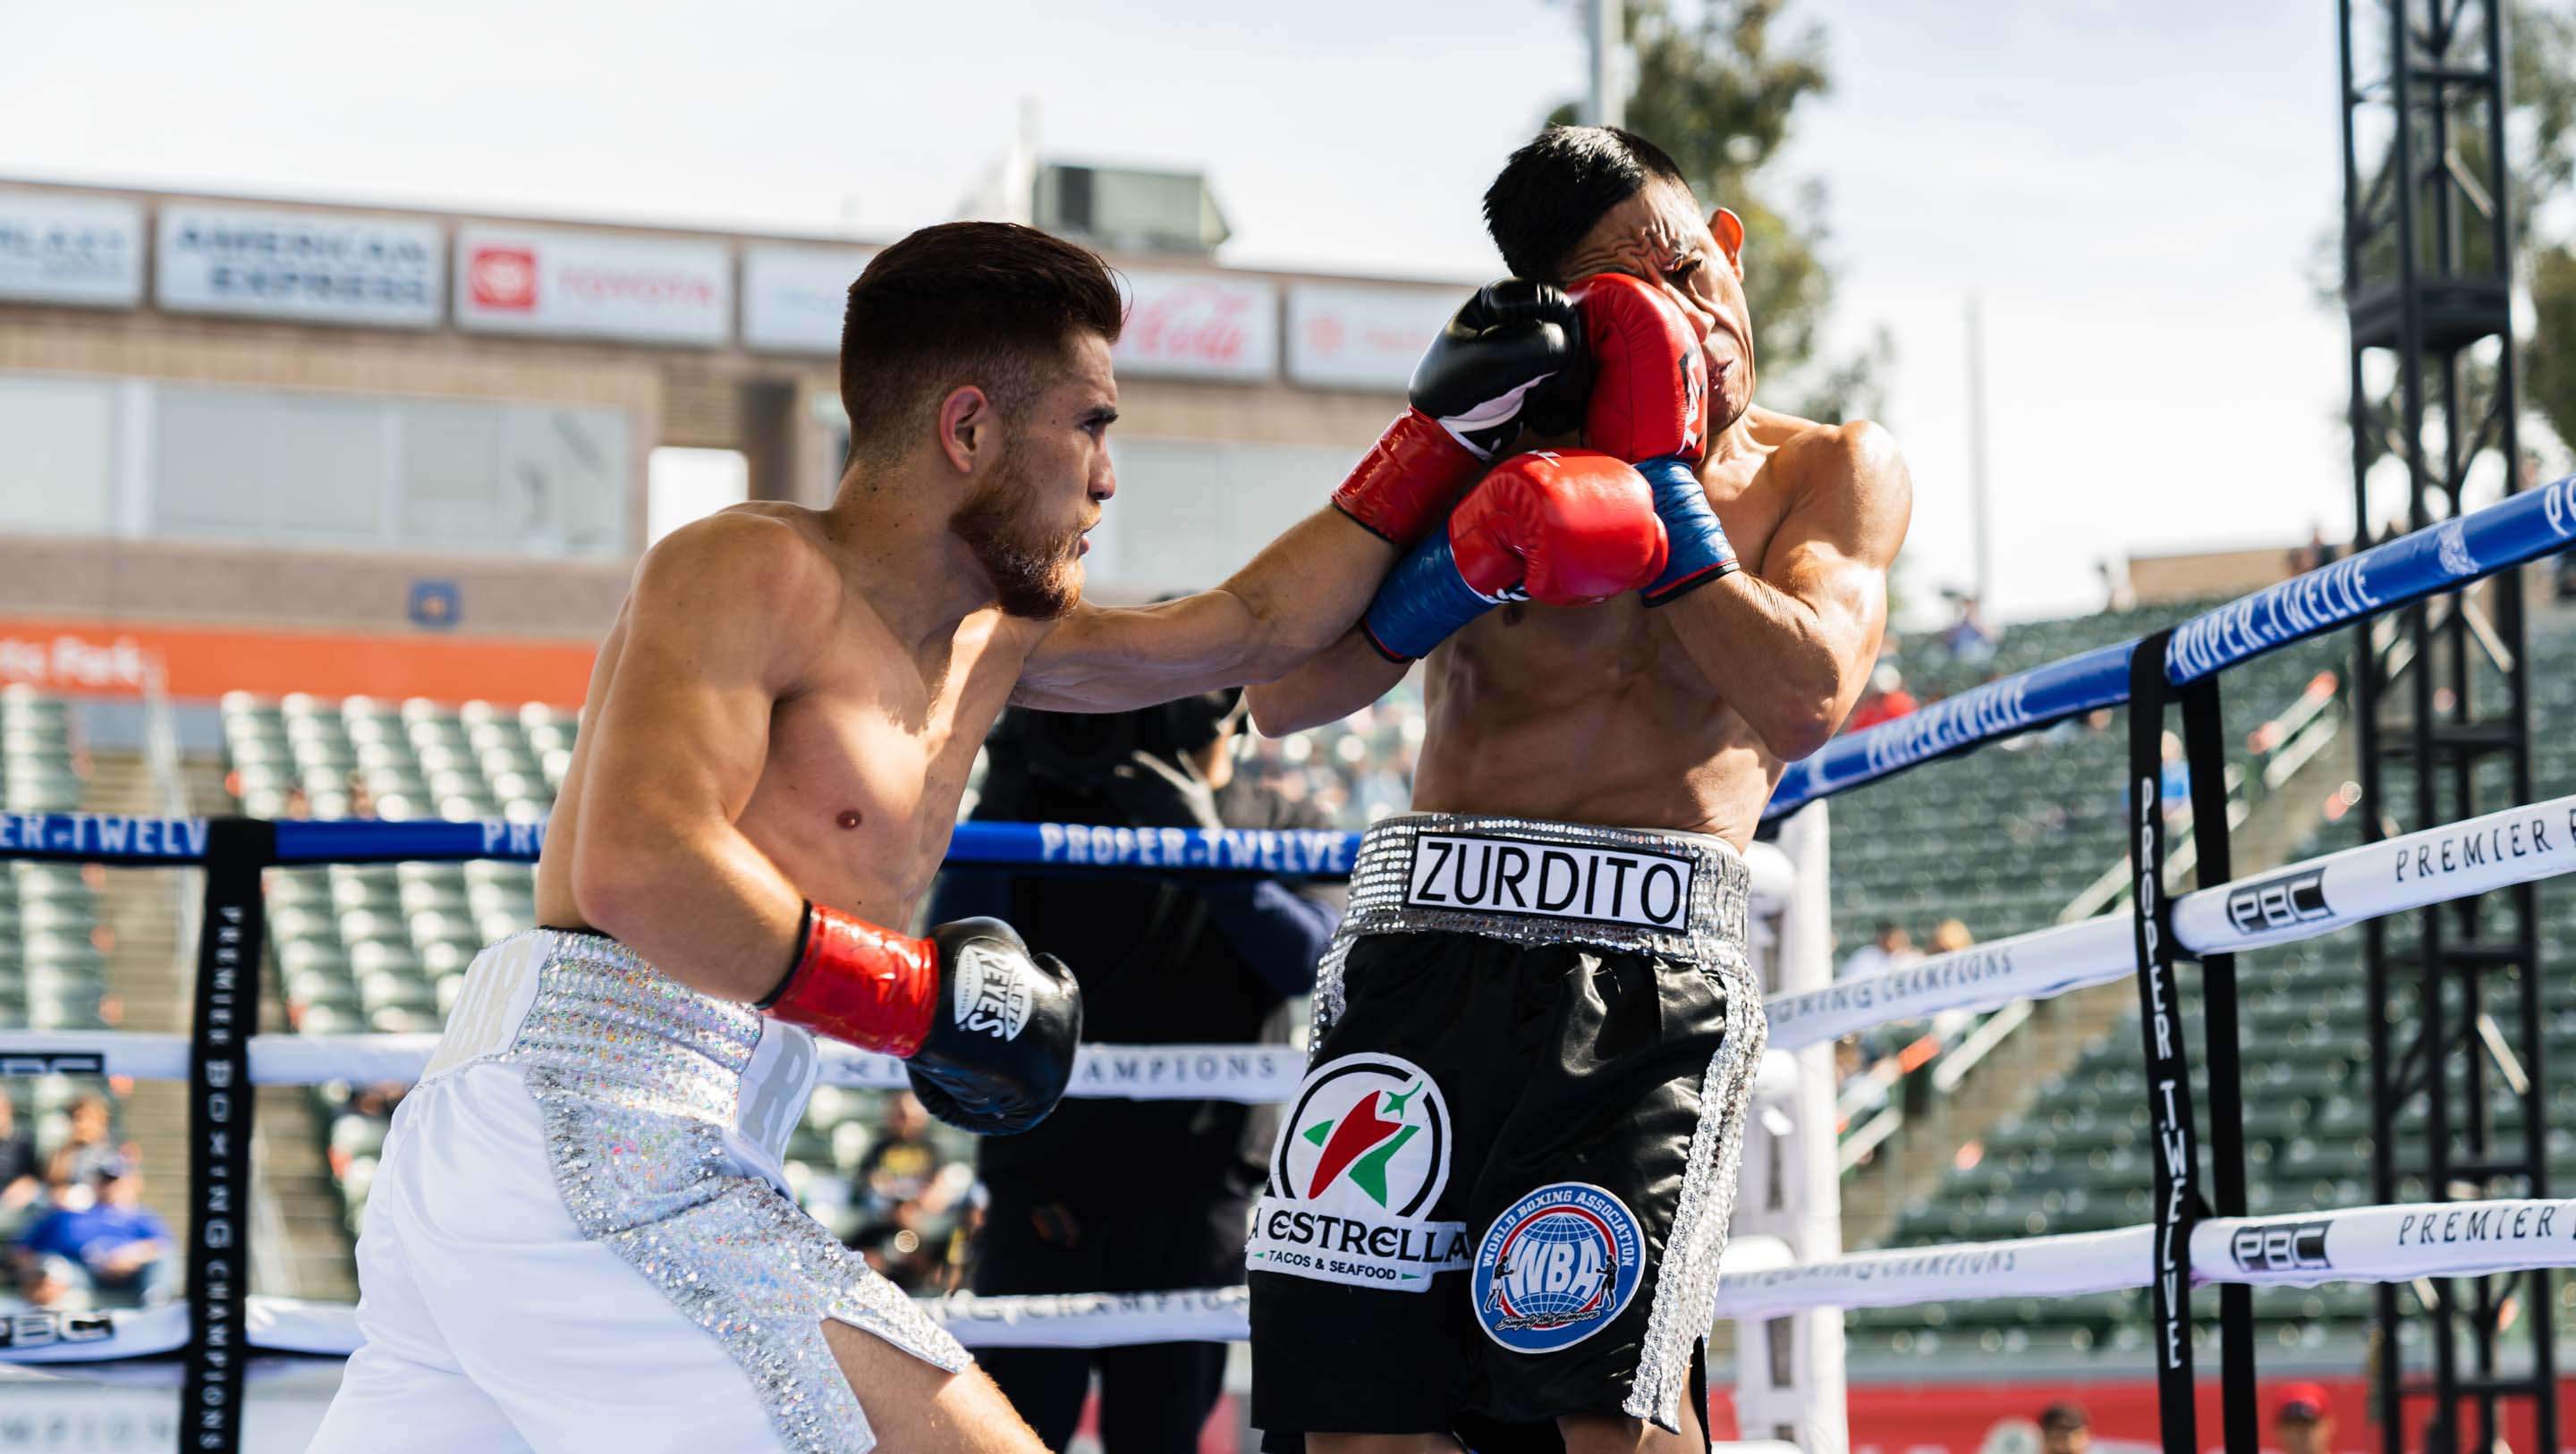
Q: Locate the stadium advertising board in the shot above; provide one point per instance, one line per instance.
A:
(312, 267)
(80, 250)
(1347, 336)
(1200, 325)
(593, 285)
(793, 297)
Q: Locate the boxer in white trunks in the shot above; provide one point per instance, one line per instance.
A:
(579, 1237)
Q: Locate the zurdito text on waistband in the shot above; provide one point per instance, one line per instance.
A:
(1532, 881)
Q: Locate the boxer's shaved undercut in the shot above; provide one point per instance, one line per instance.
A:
(991, 304)
(1552, 191)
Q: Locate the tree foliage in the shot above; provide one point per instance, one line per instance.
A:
(1717, 88)
(2543, 68)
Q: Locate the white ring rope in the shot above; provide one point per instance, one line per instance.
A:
(1256, 1074)
(2396, 1243)
(2296, 901)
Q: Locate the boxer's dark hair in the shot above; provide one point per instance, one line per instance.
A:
(1555, 188)
(992, 304)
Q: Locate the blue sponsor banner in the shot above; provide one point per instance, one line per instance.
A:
(102, 837)
(1316, 853)
(2511, 532)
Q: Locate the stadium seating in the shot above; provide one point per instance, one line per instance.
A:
(2003, 840)
(2076, 1159)
(53, 968)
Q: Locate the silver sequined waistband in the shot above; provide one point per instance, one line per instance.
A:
(1683, 895)
(602, 1022)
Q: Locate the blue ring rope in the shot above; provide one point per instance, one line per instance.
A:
(2516, 530)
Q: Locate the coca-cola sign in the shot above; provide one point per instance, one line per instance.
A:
(530, 280)
(1200, 325)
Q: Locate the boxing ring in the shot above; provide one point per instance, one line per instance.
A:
(1785, 1267)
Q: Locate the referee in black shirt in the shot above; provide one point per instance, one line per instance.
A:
(1121, 1195)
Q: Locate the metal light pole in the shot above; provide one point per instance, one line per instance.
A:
(1607, 104)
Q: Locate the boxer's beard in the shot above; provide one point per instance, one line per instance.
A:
(1036, 572)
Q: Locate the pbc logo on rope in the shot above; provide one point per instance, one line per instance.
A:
(48, 1330)
(53, 1062)
(2282, 1247)
(2280, 903)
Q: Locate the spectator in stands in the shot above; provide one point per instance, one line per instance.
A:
(22, 1179)
(84, 1147)
(1967, 638)
(901, 1249)
(362, 799)
(2302, 1422)
(903, 1164)
(1885, 701)
(2064, 1429)
(38, 1283)
(121, 1245)
(2175, 787)
(1855, 1088)
(1140, 1195)
(1890, 947)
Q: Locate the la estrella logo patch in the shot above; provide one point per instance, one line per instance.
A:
(1361, 1160)
(1556, 1267)
(1365, 1126)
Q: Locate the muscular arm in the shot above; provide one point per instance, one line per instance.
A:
(1791, 641)
(1327, 687)
(1297, 597)
(725, 617)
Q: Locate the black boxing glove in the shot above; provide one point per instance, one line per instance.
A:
(987, 1029)
(1511, 358)
(999, 1051)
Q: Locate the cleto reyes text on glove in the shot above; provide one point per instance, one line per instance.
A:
(986, 1029)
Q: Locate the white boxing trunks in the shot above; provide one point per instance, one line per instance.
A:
(579, 1238)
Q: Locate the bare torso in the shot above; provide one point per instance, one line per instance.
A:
(864, 766)
(1598, 714)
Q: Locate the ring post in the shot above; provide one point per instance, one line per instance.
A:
(2177, 1160)
(238, 851)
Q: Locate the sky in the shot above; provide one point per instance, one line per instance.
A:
(2134, 192)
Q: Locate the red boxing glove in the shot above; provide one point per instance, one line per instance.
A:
(1405, 483)
(987, 1029)
(1562, 528)
(859, 984)
(1650, 379)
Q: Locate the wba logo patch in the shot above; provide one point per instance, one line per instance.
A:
(1556, 1267)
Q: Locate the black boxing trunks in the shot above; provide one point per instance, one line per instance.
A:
(1502, 1190)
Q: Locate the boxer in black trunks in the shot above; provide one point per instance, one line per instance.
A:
(1496, 1207)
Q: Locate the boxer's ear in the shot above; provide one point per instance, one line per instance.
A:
(966, 427)
(1729, 231)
